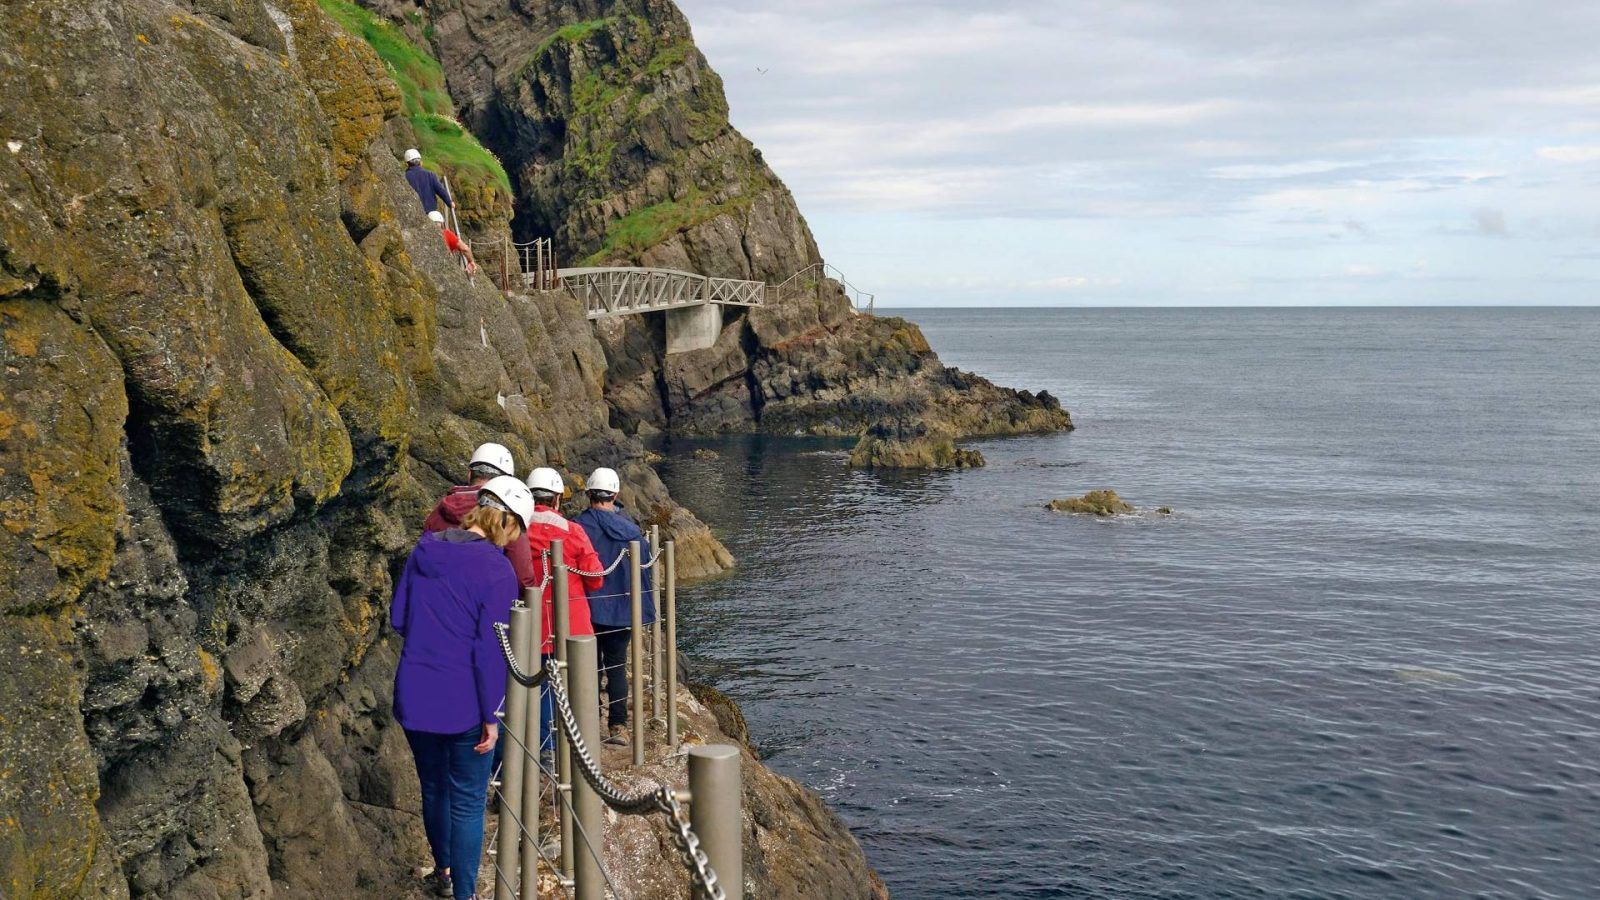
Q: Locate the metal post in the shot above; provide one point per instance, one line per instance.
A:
(562, 625)
(524, 624)
(655, 625)
(670, 613)
(589, 880)
(714, 812)
(532, 740)
(636, 651)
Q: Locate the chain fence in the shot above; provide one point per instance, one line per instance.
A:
(695, 855)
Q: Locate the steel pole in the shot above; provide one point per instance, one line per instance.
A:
(562, 626)
(636, 650)
(655, 625)
(531, 742)
(670, 613)
(512, 758)
(589, 879)
(714, 812)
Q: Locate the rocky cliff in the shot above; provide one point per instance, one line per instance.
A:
(238, 367)
(614, 132)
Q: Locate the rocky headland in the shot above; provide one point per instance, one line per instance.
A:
(239, 366)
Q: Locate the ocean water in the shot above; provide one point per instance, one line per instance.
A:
(1362, 659)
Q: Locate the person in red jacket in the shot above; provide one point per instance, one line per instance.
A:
(488, 461)
(455, 244)
(548, 524)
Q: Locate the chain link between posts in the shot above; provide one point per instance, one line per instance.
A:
(603, 572)
(658, 799)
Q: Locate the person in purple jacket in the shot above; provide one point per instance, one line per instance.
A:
(452, 677)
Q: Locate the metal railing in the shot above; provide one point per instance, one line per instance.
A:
(811, 276)
(617, 290)
(513, 266)
(708, 837)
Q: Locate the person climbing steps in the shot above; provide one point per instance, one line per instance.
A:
(454, 243)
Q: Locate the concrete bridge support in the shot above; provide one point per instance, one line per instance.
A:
(693, 327)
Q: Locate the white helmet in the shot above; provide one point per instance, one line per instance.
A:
(547, 480)
(509, 494)
(436, 216)
(495, 455)
(413, 155)
(603, 479)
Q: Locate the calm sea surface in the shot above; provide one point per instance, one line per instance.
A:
(1361, 660)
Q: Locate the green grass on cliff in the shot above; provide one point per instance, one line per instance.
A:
(644, 228)
(424, 98)
(570, 33)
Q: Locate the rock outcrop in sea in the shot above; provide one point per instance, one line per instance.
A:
(239, 366)
(899, 444)
(1096, 503)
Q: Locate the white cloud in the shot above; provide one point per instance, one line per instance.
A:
(1571, 154)
(1257, 131)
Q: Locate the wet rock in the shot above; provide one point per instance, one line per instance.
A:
(1094, 503)
(704, 453)
(899, 444)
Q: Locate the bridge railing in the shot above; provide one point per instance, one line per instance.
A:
(808, 279)
(614, 290)
(708, 837)
(736, 292)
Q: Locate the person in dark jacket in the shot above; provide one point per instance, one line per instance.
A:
(452, 676)
(429, 187)
(611, 609)
(488, 461)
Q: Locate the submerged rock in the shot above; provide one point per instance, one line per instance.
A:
(703, 453)
(903, 445)
(1094, 503)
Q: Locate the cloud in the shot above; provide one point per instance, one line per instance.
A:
(1267, 130)
(1571, 154)
(1490, 222)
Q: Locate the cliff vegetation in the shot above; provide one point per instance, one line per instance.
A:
(239, 366)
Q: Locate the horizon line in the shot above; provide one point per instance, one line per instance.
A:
(1594, 306)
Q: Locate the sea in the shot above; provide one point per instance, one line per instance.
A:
(1360, 658)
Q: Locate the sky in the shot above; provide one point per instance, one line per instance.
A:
(1173, 152)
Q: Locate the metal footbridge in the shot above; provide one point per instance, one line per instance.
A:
(618, 291)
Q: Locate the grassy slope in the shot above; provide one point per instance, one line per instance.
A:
(444, 143)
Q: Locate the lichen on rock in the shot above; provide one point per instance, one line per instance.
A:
(239, 365)
(902, 444)
(1094, 503)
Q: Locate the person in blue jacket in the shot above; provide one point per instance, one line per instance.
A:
(429, 187)
(611, 608)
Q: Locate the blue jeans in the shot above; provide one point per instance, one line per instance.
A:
(454, 779)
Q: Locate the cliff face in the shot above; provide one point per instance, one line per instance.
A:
(239, 366)
(615, 133)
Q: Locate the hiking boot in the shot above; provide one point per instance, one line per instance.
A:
(438, 884)
(618, 736)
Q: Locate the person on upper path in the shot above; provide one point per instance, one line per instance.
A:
(454, 243)
(428, 185)
(547, 525)
(451, 679)
(489, 461)
(611, 608)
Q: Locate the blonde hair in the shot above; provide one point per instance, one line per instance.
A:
(500, 527)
